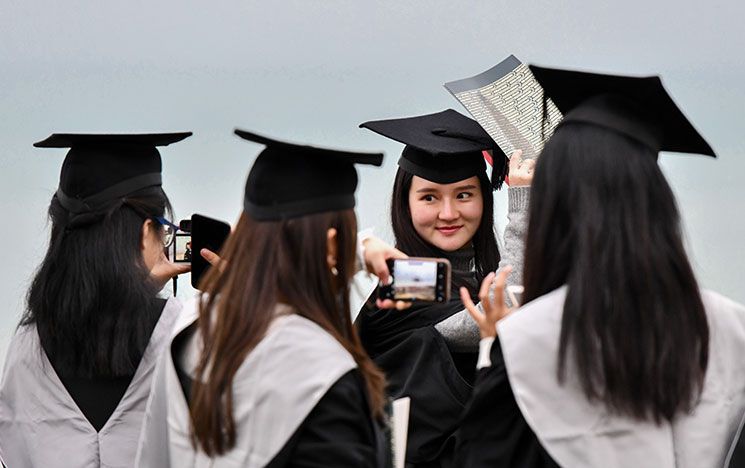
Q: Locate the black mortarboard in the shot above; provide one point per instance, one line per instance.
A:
(443, 147)
(102, 169)
(638, 107)
(289, 180)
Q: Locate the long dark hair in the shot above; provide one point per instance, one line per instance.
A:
(409, 241)
(268, 262)
(92, 299)
(604, 221)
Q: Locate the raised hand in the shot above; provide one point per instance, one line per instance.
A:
(521, 170)
(492, 304)
(165, 269)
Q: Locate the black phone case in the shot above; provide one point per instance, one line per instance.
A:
(206, 233)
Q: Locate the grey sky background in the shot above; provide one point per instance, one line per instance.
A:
(310, 71)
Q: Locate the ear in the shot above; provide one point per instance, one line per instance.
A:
(331, 247)
(147, 226)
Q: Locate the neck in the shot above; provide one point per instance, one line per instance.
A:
(463, 263)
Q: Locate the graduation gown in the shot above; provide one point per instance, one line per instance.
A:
(494, 432)
(42, 426)
(418, 364)
(299, 401)
(575, 432)
(736, 456)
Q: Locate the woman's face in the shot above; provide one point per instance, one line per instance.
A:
(446, 215)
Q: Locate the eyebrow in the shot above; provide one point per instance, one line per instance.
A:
(432, 190)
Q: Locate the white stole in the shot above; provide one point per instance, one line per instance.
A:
(580, 433)
(40, 424)
(274, 390)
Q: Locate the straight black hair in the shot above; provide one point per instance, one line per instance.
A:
(92, 299)
(603, 221)
(409, 241)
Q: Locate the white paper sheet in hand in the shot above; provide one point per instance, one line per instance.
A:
(507, 102)
(400, 430)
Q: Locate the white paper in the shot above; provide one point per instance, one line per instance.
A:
(400, 430)
(507, 102)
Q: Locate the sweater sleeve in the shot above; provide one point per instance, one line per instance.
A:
(460, 331)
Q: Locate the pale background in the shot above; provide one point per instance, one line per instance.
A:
(312, 70)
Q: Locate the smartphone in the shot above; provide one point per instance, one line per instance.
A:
(515, 295)
(418, 280)
(206, 233)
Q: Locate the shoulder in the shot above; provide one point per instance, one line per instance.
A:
(24, 345)
(305, 341)
(550, 304)
(720, 304)
(295, 352)
(726, 317)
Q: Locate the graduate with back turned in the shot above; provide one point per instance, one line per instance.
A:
(617, 358)
(79, 368)
(266, 369)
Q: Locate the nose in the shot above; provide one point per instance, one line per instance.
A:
(449, 211)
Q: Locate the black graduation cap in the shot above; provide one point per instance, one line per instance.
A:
(443, 147)
(638, 107)
(290, 180)
(101, 169)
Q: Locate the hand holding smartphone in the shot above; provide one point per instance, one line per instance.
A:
(201, 232)
(417, 280)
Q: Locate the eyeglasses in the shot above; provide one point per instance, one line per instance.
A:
(169, 230)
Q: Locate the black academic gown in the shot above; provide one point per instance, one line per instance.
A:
(738, 453)
(494, 432)
(418, 364)
(338, 432)
(98, 396)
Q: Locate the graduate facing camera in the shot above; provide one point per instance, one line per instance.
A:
(442, 207)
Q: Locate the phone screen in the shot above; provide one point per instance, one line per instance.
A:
(414, 279)
(418, 279)
(182, 251)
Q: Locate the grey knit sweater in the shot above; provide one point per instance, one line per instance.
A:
(459, 330)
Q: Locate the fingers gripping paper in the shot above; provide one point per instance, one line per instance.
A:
(508, 103)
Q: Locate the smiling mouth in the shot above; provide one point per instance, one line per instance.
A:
(449, 230)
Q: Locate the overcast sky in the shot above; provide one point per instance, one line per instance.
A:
(310, 71)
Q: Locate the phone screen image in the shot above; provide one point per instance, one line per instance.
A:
(415, 280)
(182, 249)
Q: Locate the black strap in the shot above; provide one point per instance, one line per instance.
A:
(101, 199)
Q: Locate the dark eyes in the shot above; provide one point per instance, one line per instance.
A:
(460, 196)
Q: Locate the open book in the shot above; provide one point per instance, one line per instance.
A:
(507, 102)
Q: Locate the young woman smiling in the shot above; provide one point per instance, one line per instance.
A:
(442, 206)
